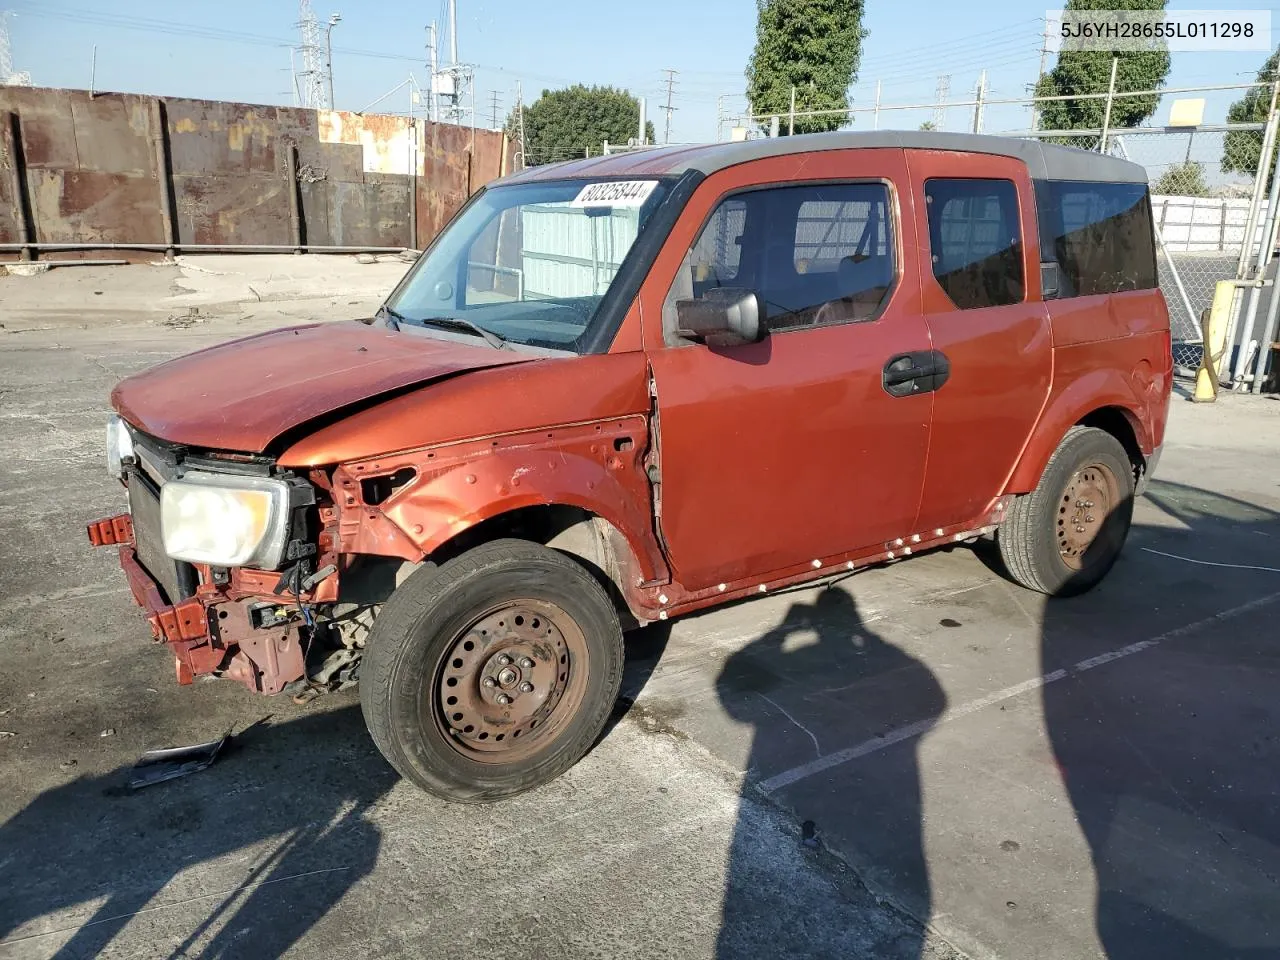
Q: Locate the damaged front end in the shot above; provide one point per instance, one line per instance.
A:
(241, 577)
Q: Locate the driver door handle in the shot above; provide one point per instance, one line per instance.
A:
(908, 374)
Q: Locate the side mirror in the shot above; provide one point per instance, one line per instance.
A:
(722, 317)
(1050, 280)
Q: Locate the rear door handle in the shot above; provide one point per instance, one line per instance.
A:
(908, 374)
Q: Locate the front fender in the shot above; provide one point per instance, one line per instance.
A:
(595, 467)
(1085, 394)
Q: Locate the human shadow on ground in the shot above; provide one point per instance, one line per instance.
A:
(1169, 754)
(266, 842)
(299, 792)
(823, 667)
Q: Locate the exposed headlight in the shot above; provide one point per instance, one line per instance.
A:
(119, 445)
(226, 521)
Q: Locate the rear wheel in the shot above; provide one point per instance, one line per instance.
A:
(1065, 536)
(492, 673)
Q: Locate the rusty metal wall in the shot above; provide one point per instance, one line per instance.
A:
(76, 168)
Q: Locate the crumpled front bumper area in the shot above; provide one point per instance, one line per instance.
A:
(212, 632)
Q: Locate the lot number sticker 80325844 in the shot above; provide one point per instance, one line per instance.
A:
(615, 193)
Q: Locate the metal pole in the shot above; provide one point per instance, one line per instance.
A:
(875, 123)
(977, 102)
(11, 159)
(453, 33)
(1265, 247)
(328, 43)
(1106, 110)
(1255, 208)
(159, 132)
(640, 136)
(295, 206)
(93, 72)
(1259, 185)
(1269, 332)
(791, 117)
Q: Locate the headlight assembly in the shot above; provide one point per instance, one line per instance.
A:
(119, 445)
(226, 521)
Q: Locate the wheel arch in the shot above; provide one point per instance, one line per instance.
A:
(592, 540)
(1102, 400)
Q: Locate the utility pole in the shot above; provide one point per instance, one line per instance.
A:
(431, 82)
(791, 114)
(875, 119)
(719, 117)
(1044, 62)
(671, 81)
(334, 20)
(520, 122)
(979, 99)
(495, 104)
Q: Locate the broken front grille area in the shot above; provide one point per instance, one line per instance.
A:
(176, 578)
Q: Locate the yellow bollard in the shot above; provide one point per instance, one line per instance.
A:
(1215, 342)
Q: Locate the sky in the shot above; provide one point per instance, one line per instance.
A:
(240, 50)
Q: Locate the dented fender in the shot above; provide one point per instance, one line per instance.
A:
(1065, 408)
(597, 467)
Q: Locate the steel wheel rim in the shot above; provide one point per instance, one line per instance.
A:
(510, 681)
(1092, 493)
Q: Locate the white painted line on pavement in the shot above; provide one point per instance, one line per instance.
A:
(1210, 563)
(876, 744)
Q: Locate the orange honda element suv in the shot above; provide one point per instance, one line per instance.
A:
(622, 389)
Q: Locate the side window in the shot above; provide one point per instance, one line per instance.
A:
(975, 241)
(1100, 235)
(814, 255)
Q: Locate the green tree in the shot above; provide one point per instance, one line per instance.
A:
(565, 124)
(928, 125)
(1182, 180)
(811, 45)
(1242, 149)
(1079, 72)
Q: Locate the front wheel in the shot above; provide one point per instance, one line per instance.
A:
(1065, 536)
(492, 673)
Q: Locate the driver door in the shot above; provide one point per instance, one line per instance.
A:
(776, 454)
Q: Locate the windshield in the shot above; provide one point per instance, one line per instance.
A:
(532, 262)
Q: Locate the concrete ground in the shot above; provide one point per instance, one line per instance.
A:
(986, 774)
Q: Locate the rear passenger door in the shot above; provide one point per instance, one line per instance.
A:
(979, 276)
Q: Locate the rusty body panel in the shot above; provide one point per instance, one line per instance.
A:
(265, 385)
(92, 173)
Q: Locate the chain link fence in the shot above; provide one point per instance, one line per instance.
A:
(1207, 202)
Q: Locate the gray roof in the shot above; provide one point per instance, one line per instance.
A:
(1044, 161)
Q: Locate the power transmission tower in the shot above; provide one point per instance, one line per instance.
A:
(940, 100)
(671, 82)
(313, 83)
(9, 76)
(495, 104)
(1044, 60)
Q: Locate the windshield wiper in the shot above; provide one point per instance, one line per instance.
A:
(393, 317)
(457, 323)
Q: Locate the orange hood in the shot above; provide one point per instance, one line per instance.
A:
(241, 396)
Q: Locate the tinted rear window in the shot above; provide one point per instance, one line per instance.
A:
(1100, 235)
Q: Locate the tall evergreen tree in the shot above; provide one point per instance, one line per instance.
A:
(812, 45)
(1079, 72)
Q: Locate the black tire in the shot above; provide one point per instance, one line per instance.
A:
(441, 607)
(1036, 538)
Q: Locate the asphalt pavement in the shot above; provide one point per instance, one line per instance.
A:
(922, 761)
